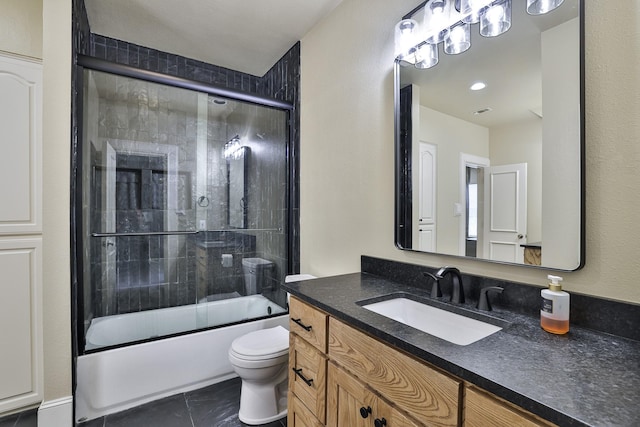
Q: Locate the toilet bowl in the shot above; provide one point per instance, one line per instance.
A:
(260, 359)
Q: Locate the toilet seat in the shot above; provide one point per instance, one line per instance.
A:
(261, 345)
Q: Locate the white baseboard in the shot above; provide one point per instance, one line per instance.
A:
(56, 413)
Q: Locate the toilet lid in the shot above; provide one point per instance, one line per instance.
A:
(262, 344)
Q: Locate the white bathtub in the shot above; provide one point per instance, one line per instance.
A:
(113, 380)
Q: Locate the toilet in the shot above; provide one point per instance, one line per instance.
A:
(255, 272)
(260, 358)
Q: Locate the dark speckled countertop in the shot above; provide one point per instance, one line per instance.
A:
(583, 378)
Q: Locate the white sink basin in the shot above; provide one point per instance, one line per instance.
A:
(443, 324)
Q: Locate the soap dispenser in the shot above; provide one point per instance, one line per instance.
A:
(554, 310)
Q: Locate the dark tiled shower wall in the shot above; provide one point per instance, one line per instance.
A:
(280, 82)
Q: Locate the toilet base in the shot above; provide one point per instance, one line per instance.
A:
(263, 403)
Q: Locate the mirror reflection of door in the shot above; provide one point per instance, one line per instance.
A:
(471, 211)
(427, 202)
(505, 228)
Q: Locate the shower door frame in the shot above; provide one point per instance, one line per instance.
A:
(91, 63)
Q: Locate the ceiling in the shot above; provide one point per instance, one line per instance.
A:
(246, 36)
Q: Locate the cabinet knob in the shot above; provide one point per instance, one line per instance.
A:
(380, 422)
(364, 412)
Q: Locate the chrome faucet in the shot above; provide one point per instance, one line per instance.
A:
(457, 291)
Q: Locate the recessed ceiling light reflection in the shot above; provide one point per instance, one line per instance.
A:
(478, 86)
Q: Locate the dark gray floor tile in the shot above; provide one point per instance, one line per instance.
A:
(9, 421)
(98, 422)
(216, 405)
(169, 412)
(23, 419)
(28, 419)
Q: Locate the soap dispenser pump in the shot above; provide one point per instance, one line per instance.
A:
(554, 309)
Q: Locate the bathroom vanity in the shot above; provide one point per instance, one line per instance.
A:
(350, 366)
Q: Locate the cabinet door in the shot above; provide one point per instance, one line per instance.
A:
(349, 402)
(20, 146)
(420, 390)
(20, 323)
(393, 417)
(298, 414)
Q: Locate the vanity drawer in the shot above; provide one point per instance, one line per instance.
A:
(482, 409)
(424, 392)
(307, 375)
(299, 416)
(309, 323)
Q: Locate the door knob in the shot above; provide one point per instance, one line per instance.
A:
(520, 236)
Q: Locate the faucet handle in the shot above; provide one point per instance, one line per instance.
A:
(483, 302)
(436, 292)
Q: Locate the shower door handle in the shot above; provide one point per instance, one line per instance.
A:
(302, 325)
(307, 381)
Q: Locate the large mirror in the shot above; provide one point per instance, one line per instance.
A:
(497, 173)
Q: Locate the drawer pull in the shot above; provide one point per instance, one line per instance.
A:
(302, 325)
(380, 422)
(364, 412)
(298, 372)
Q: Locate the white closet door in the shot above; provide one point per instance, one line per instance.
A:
(20, 322)
(20, 233)
(20, 146)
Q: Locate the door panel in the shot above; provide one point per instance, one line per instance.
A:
(505, 228)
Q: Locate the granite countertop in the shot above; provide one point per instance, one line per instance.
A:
(583, 378)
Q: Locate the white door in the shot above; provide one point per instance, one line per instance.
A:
(505, 225)
(21, 355)
(427, 199)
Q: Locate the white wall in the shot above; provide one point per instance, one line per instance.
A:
(347, 148)
(21, 27)
(521, 142)
(453, 136)
(560, 231)
(56, 55)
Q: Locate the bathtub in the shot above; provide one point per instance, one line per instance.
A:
(114, 380)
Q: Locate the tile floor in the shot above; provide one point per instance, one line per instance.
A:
(23, 419)
(213, 406)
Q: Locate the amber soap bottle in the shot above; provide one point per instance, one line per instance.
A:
(554, 308)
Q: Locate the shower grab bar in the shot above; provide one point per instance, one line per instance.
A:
(146, 233)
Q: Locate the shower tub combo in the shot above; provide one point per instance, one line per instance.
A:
(114, 380)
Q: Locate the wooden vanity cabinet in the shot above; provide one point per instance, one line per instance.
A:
(337, 373)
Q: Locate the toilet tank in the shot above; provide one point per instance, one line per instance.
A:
(255, 271)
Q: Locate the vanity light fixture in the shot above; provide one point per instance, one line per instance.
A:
(449, 21)
(477, 86)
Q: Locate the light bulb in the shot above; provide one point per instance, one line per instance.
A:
(457, 39)
(496, 19)
(540, 7)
